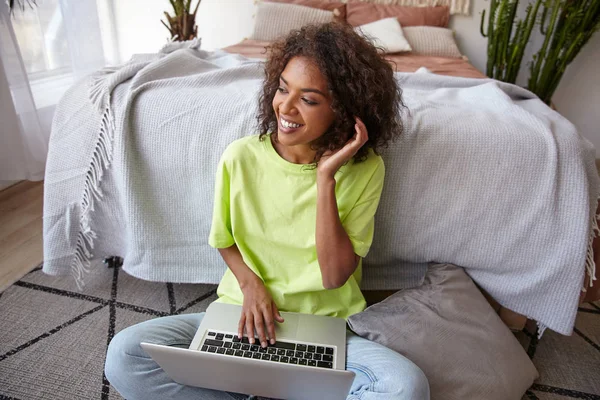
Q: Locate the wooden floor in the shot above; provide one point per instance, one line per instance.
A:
(20, 230)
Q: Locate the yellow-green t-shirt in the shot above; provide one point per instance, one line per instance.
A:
(267, 206)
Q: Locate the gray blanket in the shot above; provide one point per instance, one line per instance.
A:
(486, 177)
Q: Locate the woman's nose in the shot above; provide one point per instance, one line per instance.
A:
(288, 106)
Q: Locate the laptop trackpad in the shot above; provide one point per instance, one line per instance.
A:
(289, 328)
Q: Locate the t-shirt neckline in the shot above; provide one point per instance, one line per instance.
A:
(290, 166)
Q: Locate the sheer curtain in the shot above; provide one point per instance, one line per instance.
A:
(44, 49)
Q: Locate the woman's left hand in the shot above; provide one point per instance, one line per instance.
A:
(331, 161)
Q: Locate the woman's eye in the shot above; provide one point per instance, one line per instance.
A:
(280, 89)
(309, 102)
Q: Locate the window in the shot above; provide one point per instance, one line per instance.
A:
(42, 39)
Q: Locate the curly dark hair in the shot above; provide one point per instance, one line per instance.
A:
(361, 83)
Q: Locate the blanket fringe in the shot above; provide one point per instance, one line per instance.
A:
(541, 329)
(590, 265)
(101, 160)
(100, 86)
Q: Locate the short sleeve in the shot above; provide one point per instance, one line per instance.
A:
(221, 236)
(359, 223)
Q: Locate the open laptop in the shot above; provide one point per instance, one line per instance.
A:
(307, 362)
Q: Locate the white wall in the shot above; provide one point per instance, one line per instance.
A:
(578, 95)
(6, 184)
(225, 22)
(137, 26)
(222, 23)
(470, 41)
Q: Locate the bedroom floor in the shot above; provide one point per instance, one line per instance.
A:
(54, 338)
(20, 230)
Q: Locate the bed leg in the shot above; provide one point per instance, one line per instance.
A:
(113, 262)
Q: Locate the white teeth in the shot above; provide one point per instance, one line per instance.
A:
(289, 124)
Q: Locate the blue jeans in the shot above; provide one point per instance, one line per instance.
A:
(381, 373)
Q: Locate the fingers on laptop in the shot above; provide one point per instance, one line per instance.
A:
(246, 324)
(250, 320)
(271, 316)
(270, 326)
(260, 329)
(260, 319)
(241, 325)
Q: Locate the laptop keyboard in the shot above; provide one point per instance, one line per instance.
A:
(307, 354)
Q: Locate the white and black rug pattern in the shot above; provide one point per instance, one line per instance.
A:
(54, 338)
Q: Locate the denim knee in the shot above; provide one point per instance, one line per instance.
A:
(118, 365)
(416, 385)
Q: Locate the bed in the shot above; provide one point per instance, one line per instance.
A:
(134, 148)
(401, 62)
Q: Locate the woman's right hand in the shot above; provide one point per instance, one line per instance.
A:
(258, 311)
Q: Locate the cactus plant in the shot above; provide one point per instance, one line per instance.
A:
(506, 45)
(571, 24)
(566, 24)
(182, 25)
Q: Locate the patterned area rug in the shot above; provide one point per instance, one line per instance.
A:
(54, 338)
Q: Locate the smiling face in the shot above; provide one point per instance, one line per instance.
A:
(302, 105)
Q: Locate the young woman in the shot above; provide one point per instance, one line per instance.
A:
(293, 214)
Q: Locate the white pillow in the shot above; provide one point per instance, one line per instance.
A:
(432, 41)
(385, 33)
(274, 20)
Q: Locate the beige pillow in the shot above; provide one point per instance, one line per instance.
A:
(385, 33)
(338, 8)
(432, 41)
(275, 20)
(451, 332)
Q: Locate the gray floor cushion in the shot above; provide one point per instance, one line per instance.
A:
(451, 332)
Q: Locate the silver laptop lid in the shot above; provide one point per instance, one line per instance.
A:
(248, 376)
